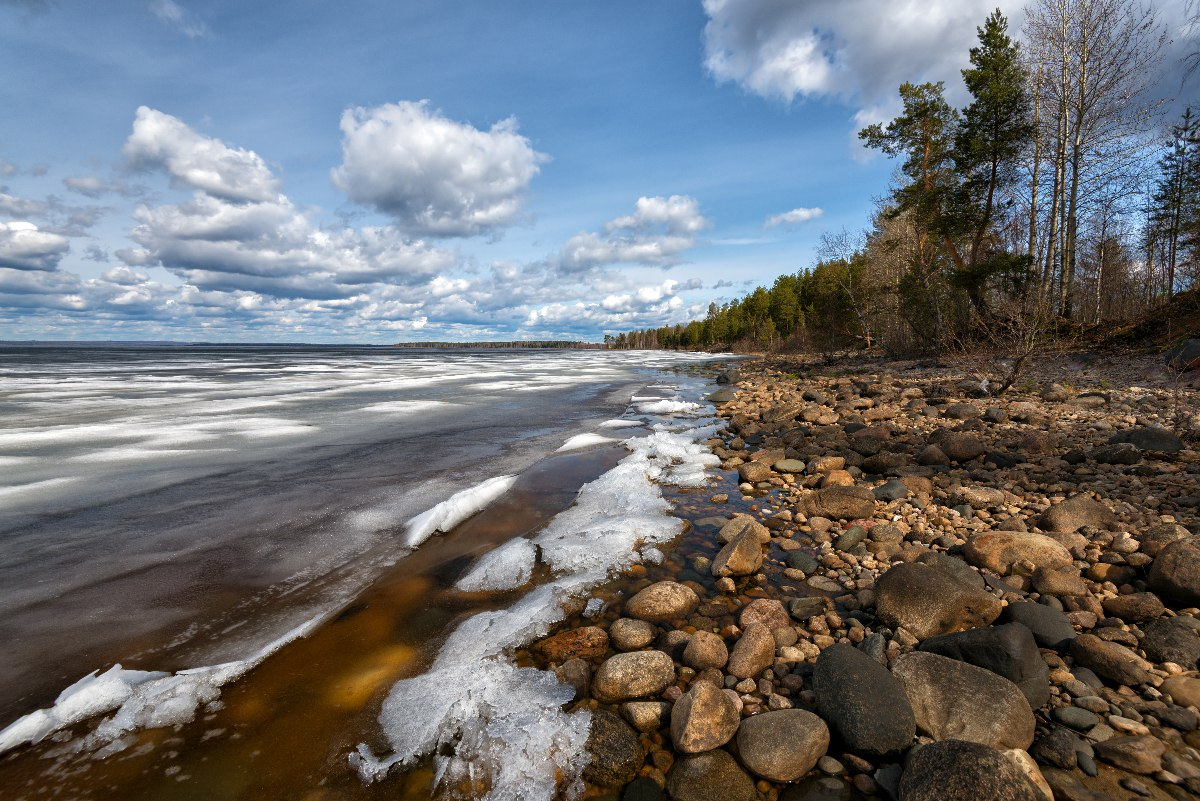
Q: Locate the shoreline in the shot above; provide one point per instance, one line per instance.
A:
(1102, 710)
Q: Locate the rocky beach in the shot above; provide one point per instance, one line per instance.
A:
(898, 586)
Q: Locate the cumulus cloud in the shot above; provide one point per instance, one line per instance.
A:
(793, 217)
(13, 206)
(93, 186)
(854, 51)
(658, 232)
(160, 141)
(24, 247)
(237, 233)
(176, 16)
(435, 176)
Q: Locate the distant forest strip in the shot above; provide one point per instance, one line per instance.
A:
(1058, 198)
(517, 344)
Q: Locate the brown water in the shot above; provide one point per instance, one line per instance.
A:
(287, 727)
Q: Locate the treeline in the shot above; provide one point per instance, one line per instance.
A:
(540, 344)
(1057, 197)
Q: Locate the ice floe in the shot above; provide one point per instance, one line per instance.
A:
(455, 509)
(584, 441)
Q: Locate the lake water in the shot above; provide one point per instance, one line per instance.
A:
(176, 507)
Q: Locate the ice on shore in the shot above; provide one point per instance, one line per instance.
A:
(503, 568)
(583, 441)
(141, 699)
(502, 727)
(455, 509)
(667, 406)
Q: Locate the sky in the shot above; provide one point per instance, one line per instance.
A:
(414, 170)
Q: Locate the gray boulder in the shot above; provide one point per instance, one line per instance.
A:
(783, 745)
(954, 770)
(1151, 438)
(928, 602)
(1008, 650)
(1175, 572)
(953, 700)
(637, 674)
(1050, 627)
(615, 751)
(710, 776)
(865, 703)
(1169, 639)
(1110, 660)
(1074, 513)
(663, 601)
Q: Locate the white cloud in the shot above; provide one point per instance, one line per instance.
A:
(12, 206)
(435, 176)
(658, 232)
(854, 51)
(793, 217)
(160, 141)
(179, 18)
(238, 234)
(24, 247)
(93, 186)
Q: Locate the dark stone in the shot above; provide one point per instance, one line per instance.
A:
(1120, 453)
(953, 566)
(1175, 573)
(723, 395)
(1157, 440)
(804, 608)
(1134, 754)
(1009, 651)
(863, 702)
(1138, 607)
(1109, 659)
(615, 750)
(1057, 748)
(893, 490)
(1049, 626)
(711, 776)
(954, 770)
(1185, 356)
(1003, 460)
(802, 561)
(838, 503)
(1169, 640)
(927, 601)
(642, 789)
(729, 375)
(1075, 717)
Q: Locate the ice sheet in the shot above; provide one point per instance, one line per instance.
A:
(503, 568)
(455, 509)
(584, 441)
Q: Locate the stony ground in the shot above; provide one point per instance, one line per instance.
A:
(903, 587)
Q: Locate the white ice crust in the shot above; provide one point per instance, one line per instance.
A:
(141, 699)
(455, 509)
(583, 441)
(502, 727)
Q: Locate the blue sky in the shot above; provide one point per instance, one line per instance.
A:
(383, 171)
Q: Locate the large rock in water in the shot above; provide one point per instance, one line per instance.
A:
(1075, 512)
(839, 503)
(952, 700)
(703, 719)
(1009, 651)
(863, 701)
(954, 770)
(637, 674)
(741, 557)
(616, 753)
(783, 745)
(662, 602)
(588, 642)
(998, 551)
(1175, 573)
(927, 601)
(753, 653)
(711, 776)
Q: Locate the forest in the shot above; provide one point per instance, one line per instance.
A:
(1061, 197)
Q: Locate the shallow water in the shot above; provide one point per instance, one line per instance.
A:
(172, 507)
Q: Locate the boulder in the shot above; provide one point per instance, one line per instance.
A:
(1137, 754)
(1074, 513)
(1153, 439)
(783, 745)
(705, 718)
(723, 396)
(627, 634)
(1059, 582)
(589, 642)
(1050, 627)
(766, 611)
(663, 602)
(927, 601)
(863, 701)
(955, 770)
(637, 674)
(741, 524)
(705, 650)
(1008, 650)
(961, 446)
(997, 551)
(789, 466)
(838, 503)
(753, 653)
(1137, 607)
(1184, 690)
(1175, 572)
(646, 716)
(952, 565)
(953, 700)
(1170, 640)
(741, 557)
(710, 776)
(1110, 660)
(615, 751)
(754, 472)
